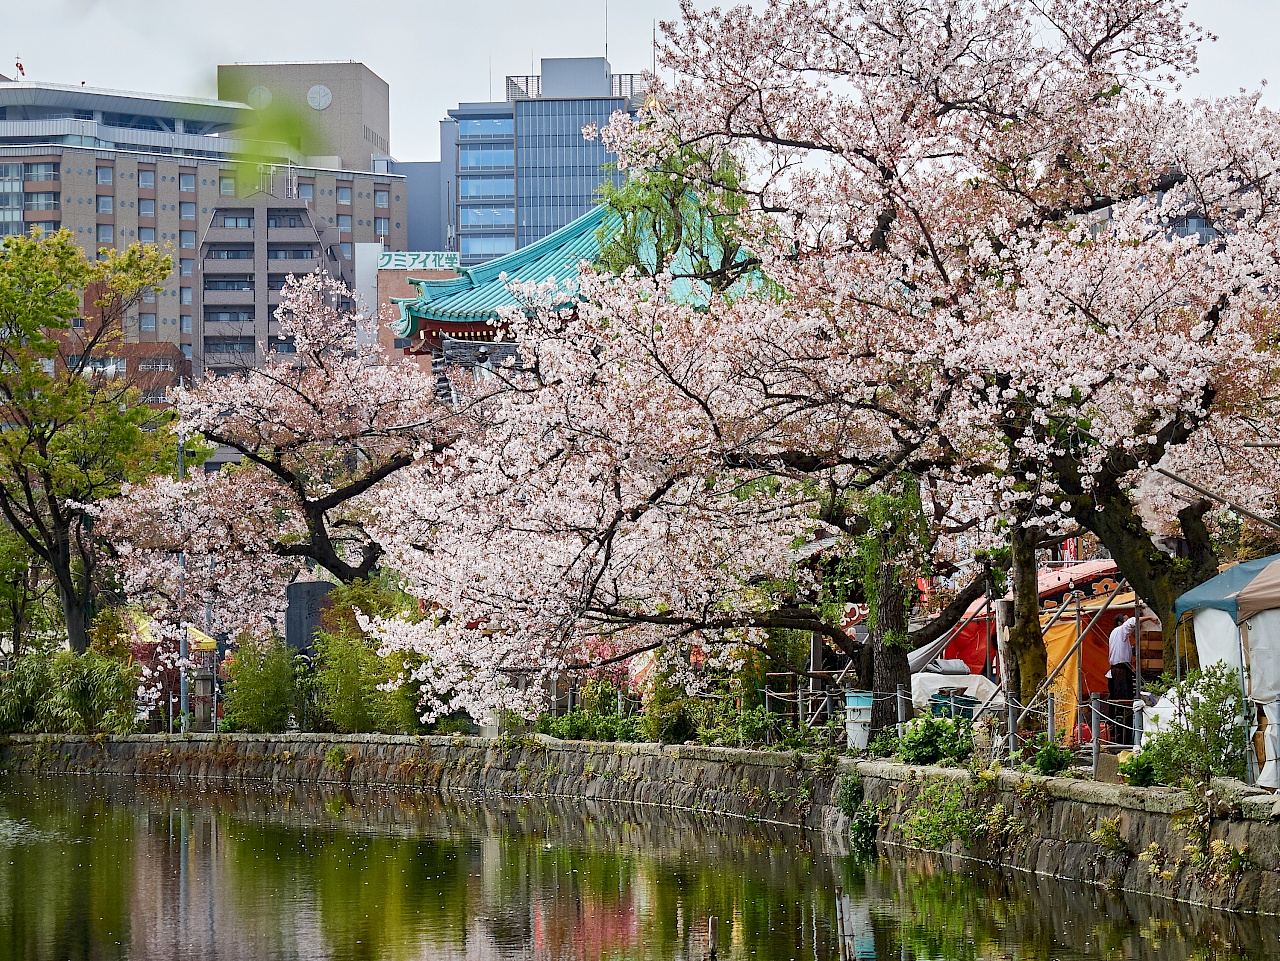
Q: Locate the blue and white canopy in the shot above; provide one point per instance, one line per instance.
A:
(1241, 591)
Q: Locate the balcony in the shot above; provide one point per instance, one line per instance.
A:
(216, 265)
(292, 265)
(284, 235)
(229, 235)
(229, 298)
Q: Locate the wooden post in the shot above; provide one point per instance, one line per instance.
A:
(902, 711)
(713, 936)
(1004, 623)
(1097, 733)
(1051, 726)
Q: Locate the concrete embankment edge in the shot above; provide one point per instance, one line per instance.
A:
(1053, 819)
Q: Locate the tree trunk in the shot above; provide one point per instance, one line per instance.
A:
(888, 640)
(1026, 643)
(1158, 578)
(75, 611)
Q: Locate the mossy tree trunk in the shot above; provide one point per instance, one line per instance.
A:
(887, 636)
(1026, 643)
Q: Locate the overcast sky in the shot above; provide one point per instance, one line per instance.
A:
(433, 54)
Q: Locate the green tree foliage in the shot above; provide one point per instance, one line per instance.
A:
(679, 218)
(349, 673)
(261, 694)
(69, 694)
(70, 436)
(26, 615)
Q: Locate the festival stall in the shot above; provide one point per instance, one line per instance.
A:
(1235, 618)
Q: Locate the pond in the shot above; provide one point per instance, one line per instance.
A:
(115, 869)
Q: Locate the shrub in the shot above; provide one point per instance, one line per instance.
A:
(1051, 758)
(941, 814)
(1207, 737)
(262, 687)
(930, 740)
(863, 827)
(849, 794)
(68, 693)
(1139, 769)
(1109, 837)
(348, 673)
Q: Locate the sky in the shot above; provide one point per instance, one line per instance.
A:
(436, 54)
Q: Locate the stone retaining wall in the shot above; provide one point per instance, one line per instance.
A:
(1021, 822)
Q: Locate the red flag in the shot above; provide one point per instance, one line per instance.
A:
(21, 72)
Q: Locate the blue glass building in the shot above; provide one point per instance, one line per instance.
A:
(515, 171)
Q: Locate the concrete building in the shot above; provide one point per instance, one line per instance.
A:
(116, 168)
(515, 171)
(338, 115)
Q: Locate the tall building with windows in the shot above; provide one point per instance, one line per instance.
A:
(116, 168)
(514, 171)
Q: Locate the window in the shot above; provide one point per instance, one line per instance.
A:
(282, 220)
(486, 155)
(147, 322)
(186, 352)
(487, 127)
(228, 345)
(184, 295)
(212, 316)
(344, 223)
(227, 186)
(187, 239)
(77, 323)
(186, 182)
(344, 195)
(186, 267)
(186, 211)
(488, 246)
(148, 296)
(283, 346)
(147, 181)
(237, 221)
(146, 207)
(306, 192)
(275, 281)
(346, 250)
(290, 253)
(486, 187)
(147, 235)
(382, 198)
(487, 217)
(40, 172)
(382, 226)
(41, 201)
(105, 233)
(106, 205)
(105, 175)
(230, 253)
(229, 282)
(186, 324)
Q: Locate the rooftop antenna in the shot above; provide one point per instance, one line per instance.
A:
(606, 29)
(491, 78)
(655, 47)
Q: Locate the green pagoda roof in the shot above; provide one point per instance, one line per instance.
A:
(475, 296)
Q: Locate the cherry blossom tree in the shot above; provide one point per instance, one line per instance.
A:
(977, 272)
(319, 432)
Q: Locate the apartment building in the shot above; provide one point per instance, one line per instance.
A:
(515, 171)
(116, 168)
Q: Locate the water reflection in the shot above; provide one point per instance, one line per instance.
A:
(108, 869)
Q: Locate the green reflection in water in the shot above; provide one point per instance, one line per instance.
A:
(104, 869)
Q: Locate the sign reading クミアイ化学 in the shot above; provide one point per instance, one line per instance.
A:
(418, 260)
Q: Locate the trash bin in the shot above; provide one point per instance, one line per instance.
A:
(857, 718)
